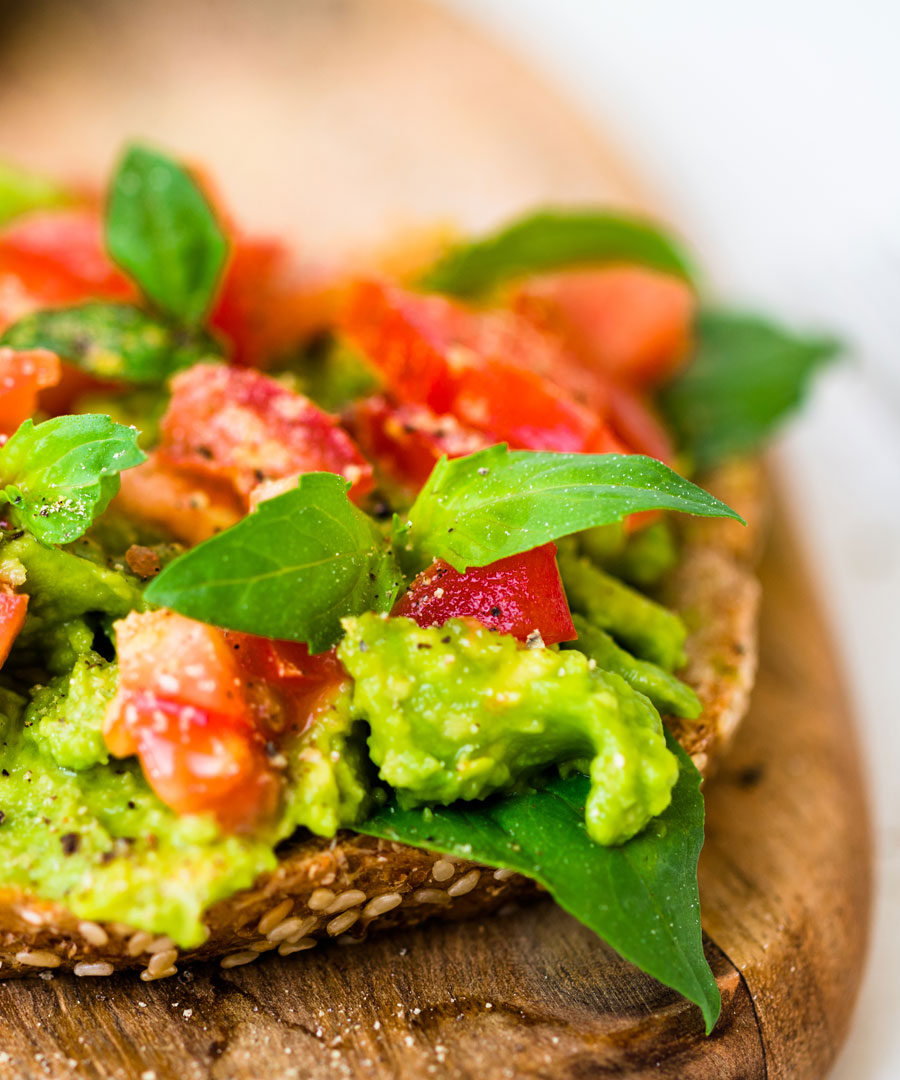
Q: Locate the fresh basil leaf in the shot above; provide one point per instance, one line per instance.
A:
(63, 473)
(291, 570)
(161, 229)
(112, 341)
(641, 897)
(22, 191)
(551, 239)
(746, 375)
(496, 502)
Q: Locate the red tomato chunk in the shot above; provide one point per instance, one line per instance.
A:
(23, 374)
(493, 371)
(627, 322)
(517, 595)
(406, 441)
(242, 427)
(205, 710)
(13, 607)
(55, 259)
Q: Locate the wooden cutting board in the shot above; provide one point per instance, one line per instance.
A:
(336, 121)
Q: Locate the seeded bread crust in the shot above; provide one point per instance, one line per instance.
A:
(339, 889)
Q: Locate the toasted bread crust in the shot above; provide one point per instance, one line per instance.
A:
(341, 888)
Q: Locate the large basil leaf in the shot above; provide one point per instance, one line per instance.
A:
(496, 502)
(640, 897)
(551, 239)
(746, 375)
(112, 341)
(291, 570)
(161, 229)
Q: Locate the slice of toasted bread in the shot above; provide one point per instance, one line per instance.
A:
(343, 887)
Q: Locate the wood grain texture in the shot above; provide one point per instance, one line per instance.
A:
(334, 121)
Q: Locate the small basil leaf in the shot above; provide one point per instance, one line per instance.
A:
(22, 191)
(640, 897)
(63, 473)
(746, 375)
(551, 239)
(161, 229)
(291, 570)
(496, 502)
(112, 341)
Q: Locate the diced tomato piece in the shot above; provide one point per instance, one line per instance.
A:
(13, 608)
(175, 658)
(629, 322)
(184, 706)
(196, 762)
(268, 305)
(522, 408)
(303, 683)
(434, 352)
(241, 427)
(516, 595)
(633, 419)
(23, 374)
(205, 708)
(53, 259)
(406, 441)
(191, 508)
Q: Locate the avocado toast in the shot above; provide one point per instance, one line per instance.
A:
(441, 622)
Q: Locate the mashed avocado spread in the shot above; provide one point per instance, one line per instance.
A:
(457, 712)
(443, 714)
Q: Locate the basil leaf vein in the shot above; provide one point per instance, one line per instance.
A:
(496, 502)
(551, 239)
(290, 570)
(746, 375)
(61, 474)
(641, 897)
(161, 229)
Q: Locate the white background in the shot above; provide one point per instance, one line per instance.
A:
(771, 131)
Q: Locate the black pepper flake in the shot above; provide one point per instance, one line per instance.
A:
(423, 645)
(131, 804)
(71, 842)
(445, 640)
(495, 612)
(4, 772)
(2, 817)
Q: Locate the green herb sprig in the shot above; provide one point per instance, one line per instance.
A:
(60, 475)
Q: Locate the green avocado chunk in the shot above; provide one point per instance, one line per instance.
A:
(457, 712)
(646, 628)
(667, 692)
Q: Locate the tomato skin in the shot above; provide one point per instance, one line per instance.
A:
(239, 426)
(204, 709)
(628, 322)
(23, 374)
(13, 608)
(191, 508)
(301, 683)
(489, 371)
(196, 762)
(516, 595)
(406, 441)
(54, 259)
(268, 305)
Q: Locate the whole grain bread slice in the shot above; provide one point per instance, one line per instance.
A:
(344, 887)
